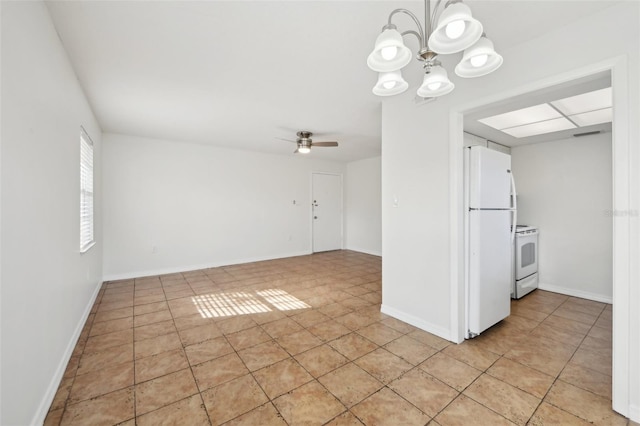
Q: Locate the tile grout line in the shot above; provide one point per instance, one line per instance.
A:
(355, 331)
(193, 375)
(292, 357)
(384, 385)
(461, 393)
(558, 375)
(501, 356)
(182, 347)
(314, 379)
(557, 378)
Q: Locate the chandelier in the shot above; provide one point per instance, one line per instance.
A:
(456, 31)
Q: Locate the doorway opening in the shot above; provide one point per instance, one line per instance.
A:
(616, 67)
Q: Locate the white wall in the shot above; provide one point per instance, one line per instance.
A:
(415, 218)
(417, 273)
(201, 206)
(363, 206)
(564, 188)
(47, 286)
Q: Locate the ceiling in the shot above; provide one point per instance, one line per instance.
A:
(579, 86)
(241, 74)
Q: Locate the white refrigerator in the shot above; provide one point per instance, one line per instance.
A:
(489, 232)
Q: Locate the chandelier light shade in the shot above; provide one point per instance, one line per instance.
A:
(390, 83)
(479, 59)
(389, 53)
(435, 83)
(456, 31)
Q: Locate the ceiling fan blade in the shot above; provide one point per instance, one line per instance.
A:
(332, 143)
(287, 140)
(296, 151)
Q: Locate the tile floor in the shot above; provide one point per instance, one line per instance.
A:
(302, 341)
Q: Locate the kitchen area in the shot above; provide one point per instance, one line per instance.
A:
(554, 185)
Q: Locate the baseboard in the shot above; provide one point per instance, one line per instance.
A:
(365, 251)
(575, 293)
(43, 408)
(445, 333)
(187, 268)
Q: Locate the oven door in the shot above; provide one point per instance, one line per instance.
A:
(526, 254)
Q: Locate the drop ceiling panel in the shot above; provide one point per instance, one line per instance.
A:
(599, 83)
(521, 117)
(593, 117)
(539, 128)
(585, 102)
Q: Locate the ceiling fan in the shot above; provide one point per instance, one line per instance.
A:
(305, 143)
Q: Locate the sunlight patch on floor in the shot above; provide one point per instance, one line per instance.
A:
(216, 305)
(282, 300)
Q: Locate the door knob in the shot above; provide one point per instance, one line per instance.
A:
(315, 217)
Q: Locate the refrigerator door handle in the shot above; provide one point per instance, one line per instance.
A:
(514, 207)
(514, 202)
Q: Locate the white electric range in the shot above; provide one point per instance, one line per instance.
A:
(525, 261)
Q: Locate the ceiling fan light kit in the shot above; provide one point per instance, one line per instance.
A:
(454, 31)
(305, 143)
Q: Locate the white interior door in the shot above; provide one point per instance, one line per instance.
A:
(326, 212)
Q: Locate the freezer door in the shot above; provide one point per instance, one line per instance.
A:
(489, 280)
(489, 178)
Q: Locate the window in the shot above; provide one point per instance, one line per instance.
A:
(86, 192)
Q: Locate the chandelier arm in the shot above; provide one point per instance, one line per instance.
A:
(415, 33)
(433, 16)
(420, 34)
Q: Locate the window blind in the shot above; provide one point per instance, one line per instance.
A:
(86, 192)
